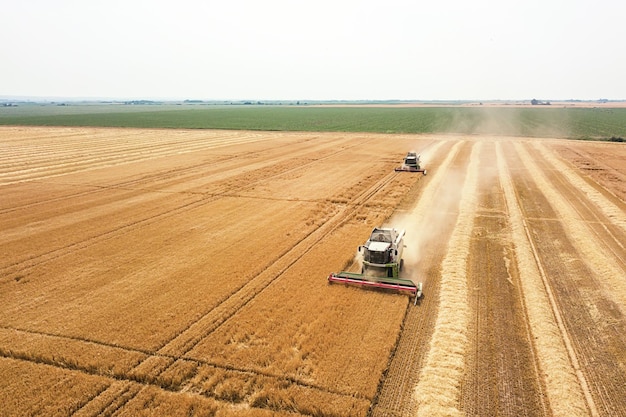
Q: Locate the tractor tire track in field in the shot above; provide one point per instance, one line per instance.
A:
(109, 400)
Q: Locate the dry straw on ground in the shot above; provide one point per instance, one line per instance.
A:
(562, 388)
(149, 272)
(604, 268)
(438, 387)
(611, 211)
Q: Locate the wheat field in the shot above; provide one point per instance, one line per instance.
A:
(183, 272)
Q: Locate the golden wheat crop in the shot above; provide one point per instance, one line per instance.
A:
(156, 272)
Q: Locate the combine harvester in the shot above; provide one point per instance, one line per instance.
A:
(411, 164)
(382, 263)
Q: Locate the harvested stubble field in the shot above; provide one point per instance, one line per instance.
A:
(172, 272)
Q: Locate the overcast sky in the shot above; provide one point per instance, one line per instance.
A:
(321, 49)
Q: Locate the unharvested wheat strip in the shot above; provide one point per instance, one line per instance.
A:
(602, 264)
(437, 390)
(610, 210)
(563, 391)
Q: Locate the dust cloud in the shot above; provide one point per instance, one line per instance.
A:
(435, 211)
(510, 121)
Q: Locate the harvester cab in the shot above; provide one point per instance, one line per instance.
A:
(411, 163)
(382, 263)
(382, 253)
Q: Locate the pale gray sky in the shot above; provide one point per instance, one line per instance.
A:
(322, 49)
